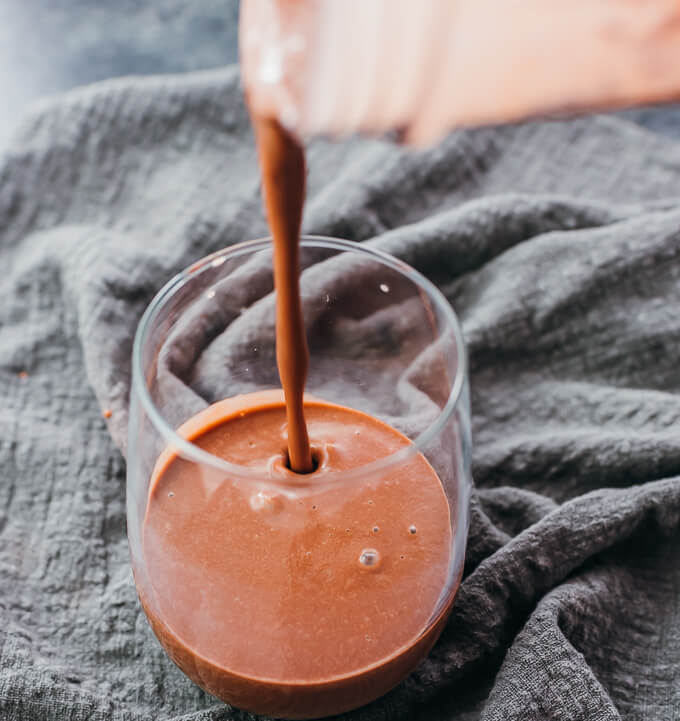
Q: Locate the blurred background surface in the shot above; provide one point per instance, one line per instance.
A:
(47, 46)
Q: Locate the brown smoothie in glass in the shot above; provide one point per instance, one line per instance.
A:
(309, 597)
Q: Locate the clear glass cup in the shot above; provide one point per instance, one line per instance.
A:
(383, 341)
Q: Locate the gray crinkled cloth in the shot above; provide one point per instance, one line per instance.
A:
(558, 245)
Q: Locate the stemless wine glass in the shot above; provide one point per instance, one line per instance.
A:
(278, 595)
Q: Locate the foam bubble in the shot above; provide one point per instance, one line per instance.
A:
(369, 558)
(263, 501)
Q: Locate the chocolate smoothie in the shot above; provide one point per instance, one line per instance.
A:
(282, 163)
(296, 603)
(311, 587)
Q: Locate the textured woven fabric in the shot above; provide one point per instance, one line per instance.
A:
(558, 244)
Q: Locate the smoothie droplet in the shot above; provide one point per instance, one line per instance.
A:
(376, 529)
(369, 558)
(171, 494)
(412, 530)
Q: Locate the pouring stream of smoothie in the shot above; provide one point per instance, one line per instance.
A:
(282, 163)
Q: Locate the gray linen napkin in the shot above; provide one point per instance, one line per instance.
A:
(557, 243)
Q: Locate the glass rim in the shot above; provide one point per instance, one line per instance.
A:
(188, 450)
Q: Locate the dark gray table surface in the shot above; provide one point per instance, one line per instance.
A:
(47, 46)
